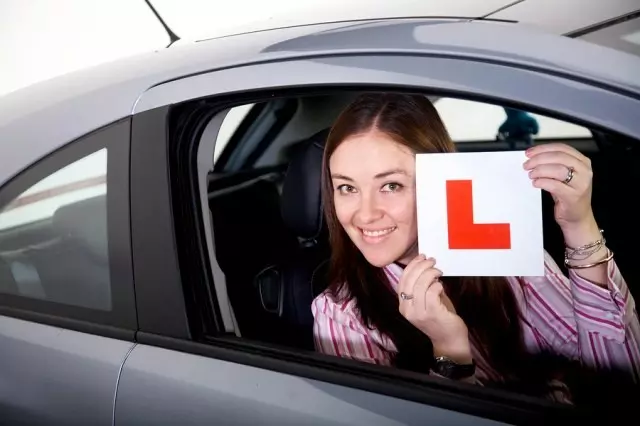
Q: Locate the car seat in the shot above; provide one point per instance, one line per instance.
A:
(287, 288)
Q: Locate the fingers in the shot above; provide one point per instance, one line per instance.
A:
(557, 147)
(550, 171)
(447, 302)
(558, 158)
(423, 284)
(555, 187)
(433, 299)
(580, 181)
(549, 168)
(428, 302)
(412, 271)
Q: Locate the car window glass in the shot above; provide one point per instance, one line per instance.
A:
(624, 36)
(229, 126)
(469, 121)
(77, 181)
(53, 237)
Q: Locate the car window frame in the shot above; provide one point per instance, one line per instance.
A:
(338, 371)
(120, 322)
(224, 346)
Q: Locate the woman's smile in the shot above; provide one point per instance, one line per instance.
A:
(376, 236)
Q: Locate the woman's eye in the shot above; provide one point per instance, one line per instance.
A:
(346, 189)
(392, 187)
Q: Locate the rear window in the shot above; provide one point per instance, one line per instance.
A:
(469, 121)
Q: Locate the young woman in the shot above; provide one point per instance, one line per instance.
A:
(388, 304)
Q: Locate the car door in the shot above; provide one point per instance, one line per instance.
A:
(177, 376)
(67, 313)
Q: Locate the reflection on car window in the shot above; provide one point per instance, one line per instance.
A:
(78, 181)
(623, 36)
(229, 126)
(469, 121)
(53, 237)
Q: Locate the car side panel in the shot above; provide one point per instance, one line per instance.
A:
(55, 376)
(164, 387)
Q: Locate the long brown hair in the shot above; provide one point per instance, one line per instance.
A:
(486, 304)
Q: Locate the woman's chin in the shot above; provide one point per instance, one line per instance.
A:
(379, 260)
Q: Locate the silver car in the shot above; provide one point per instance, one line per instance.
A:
(160, 229)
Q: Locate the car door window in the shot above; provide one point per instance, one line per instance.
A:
(60, 221)
(270, 295)
(54, 237)
(83, 179)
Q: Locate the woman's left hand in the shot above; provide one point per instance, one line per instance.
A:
(566, 174)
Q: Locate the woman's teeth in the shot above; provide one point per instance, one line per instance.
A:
(378, 233)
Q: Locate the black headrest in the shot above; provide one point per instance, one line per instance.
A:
(301, 200)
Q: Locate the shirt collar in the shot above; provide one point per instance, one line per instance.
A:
(394, 272)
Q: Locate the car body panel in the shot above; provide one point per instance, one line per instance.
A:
(199, 391)
(54, 376)
(509, 84)
(75, 104)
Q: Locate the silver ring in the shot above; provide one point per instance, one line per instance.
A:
(405, 296)
(570, 171)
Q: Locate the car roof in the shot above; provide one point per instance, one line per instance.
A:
(47, 115)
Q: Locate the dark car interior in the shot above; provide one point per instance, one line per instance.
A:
(276, 205)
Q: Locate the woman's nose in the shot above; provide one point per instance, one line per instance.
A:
(368, 210)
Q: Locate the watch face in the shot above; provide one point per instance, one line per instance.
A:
(445, 368)
(451, 370)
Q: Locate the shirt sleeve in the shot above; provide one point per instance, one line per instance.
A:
(582, 320)
(338, 331)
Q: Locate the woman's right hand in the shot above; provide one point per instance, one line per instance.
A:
(431, 311)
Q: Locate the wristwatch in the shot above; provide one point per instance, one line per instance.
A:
(450, 369)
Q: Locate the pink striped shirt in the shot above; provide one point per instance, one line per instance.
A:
(569, 316)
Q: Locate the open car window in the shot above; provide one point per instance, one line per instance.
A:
(253, 252)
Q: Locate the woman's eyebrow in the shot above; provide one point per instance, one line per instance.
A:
(378, 176)
(339, 176)
(391, 172)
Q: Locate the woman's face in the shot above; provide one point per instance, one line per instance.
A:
(375, 199)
